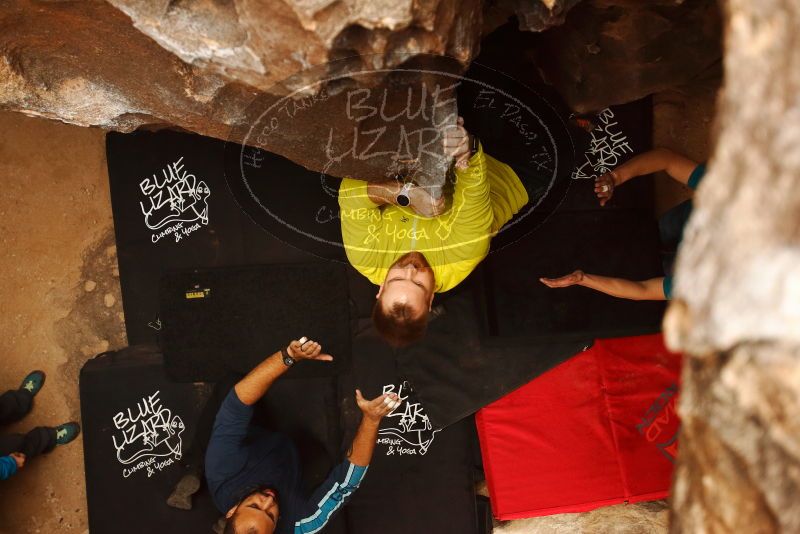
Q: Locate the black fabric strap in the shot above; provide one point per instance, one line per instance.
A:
(285, 355)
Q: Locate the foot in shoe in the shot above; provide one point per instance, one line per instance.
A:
(67, 432)
(33, 382)
(181, 496)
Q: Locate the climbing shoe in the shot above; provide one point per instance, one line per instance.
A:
(67, 432)
(33, 382)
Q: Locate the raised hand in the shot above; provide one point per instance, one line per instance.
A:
(306, 349)
(456, 144)
(604, 187)
(378, 407)
(574, 278)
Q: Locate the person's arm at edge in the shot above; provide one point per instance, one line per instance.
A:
(652, 289)
(679, 167)
(8, 467)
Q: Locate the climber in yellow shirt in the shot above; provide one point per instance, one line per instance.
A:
(396, 235)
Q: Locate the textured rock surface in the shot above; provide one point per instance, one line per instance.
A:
(640, 518)
(737, 311)
(201, 64)
(616, 51)
(262, 43)
(541, 15)
(84, 63)
(739, 464)
(357, 126)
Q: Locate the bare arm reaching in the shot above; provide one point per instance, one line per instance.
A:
(652, 289)
(679, 167)
(372, 412)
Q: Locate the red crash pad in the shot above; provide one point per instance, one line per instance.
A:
(599, 429)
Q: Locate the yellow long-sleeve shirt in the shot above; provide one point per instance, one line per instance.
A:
(486, 195)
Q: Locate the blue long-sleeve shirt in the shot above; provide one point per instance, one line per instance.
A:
(8, 467)
(241, 458)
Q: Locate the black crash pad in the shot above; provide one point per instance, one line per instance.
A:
(221, 320)
(420, 478)
(173, 210)
(456, 370)
(127, 490)
(619, 243)
(136, 428)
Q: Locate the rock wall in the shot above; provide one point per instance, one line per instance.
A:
(616, 51)
(737, 307)
(85, 64)
(637, 518)
(263, 43)
(539, 16)
(200, 65)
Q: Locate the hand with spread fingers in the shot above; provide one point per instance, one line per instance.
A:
(307, 349)
(575, 277)
(378, 407)
(604, 187)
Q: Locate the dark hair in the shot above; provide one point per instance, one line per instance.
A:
(398, 326)
(230, 527)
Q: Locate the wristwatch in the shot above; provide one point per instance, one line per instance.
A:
(402, 196)
(288, 361)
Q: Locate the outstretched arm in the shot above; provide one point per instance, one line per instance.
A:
(679, 167)
(345, 478)
(253, 386)
(652, 289)
(231, 426)
(372, 412)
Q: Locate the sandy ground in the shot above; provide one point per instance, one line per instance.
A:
(60, 299)
(56, 234)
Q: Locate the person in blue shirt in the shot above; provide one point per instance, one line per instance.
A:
(17, 449)
(254, 475)
(670, 225)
